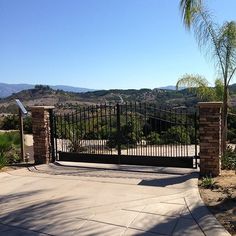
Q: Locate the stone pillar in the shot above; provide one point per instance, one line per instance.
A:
(210, 137)
(41, 134)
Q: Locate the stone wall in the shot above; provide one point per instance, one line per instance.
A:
(210, 137)
(41, 134)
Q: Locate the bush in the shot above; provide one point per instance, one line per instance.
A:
(9, 148)
(207, 182)
(91, 135)
(11, 122)
(129, 135)
(153, 138)
(176, 134)
(4, 148)
(3, 160)
(228, 160)
(75, 146)
(28, 125)
(231, 135)
(147, 129)
(8, 140)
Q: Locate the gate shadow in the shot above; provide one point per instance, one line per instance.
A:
(164, 182)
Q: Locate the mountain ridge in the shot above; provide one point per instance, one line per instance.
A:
(45, 96)
(7, 90)
(42, 95)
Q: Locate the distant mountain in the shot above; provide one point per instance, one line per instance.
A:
(62, 100)
(71, 88)
(8, 89)
(171, 87)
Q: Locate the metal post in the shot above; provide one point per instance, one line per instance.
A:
(52, 127)
(118, 130)
(195, 127)
(22, 136)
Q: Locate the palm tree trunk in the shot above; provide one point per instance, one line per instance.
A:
(224, 119)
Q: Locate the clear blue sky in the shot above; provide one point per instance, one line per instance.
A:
(101, 43)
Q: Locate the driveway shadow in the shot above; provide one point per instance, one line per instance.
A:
(26, 214)
(164, 182)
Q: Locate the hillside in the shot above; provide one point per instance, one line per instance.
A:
(44, 95)
(8, 89)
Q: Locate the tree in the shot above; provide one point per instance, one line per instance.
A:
(219, 42)
(200, 86)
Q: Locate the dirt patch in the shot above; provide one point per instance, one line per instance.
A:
(9, 168)
(221, 199)
(16, 166)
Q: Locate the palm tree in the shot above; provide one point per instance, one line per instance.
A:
(188, 7)
(219, 42)
(200, 86)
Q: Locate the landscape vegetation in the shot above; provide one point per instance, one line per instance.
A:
(219, 41)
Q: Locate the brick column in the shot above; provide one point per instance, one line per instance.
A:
(41, 133)
(210, 137)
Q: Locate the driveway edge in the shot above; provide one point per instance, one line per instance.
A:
(203, 217)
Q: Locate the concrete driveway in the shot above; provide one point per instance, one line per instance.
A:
(89, 199)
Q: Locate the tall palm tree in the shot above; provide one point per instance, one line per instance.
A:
(218, 42)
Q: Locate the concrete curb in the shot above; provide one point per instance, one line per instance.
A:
(204, 218)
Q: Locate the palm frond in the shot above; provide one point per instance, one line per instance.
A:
(227, 46)
(197, 84)
(219, 90)
(206, 34)
(191, 81)
(188, 8)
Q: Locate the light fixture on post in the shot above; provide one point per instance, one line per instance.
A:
(22, 113)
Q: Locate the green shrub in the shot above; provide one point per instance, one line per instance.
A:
(13, 156)
(11, 122)
(28, 125)
(9, 139)
(231, 135)
(5, 145)
(147, 129)
(228, 160)
(3, 160)
(207, 182)
(91, 135)
(4, 148)
(9, 148)
(129, 135)
(75, 146)
(176, 134)
(153, 138)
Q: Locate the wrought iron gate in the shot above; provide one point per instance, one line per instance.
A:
(131, 133)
